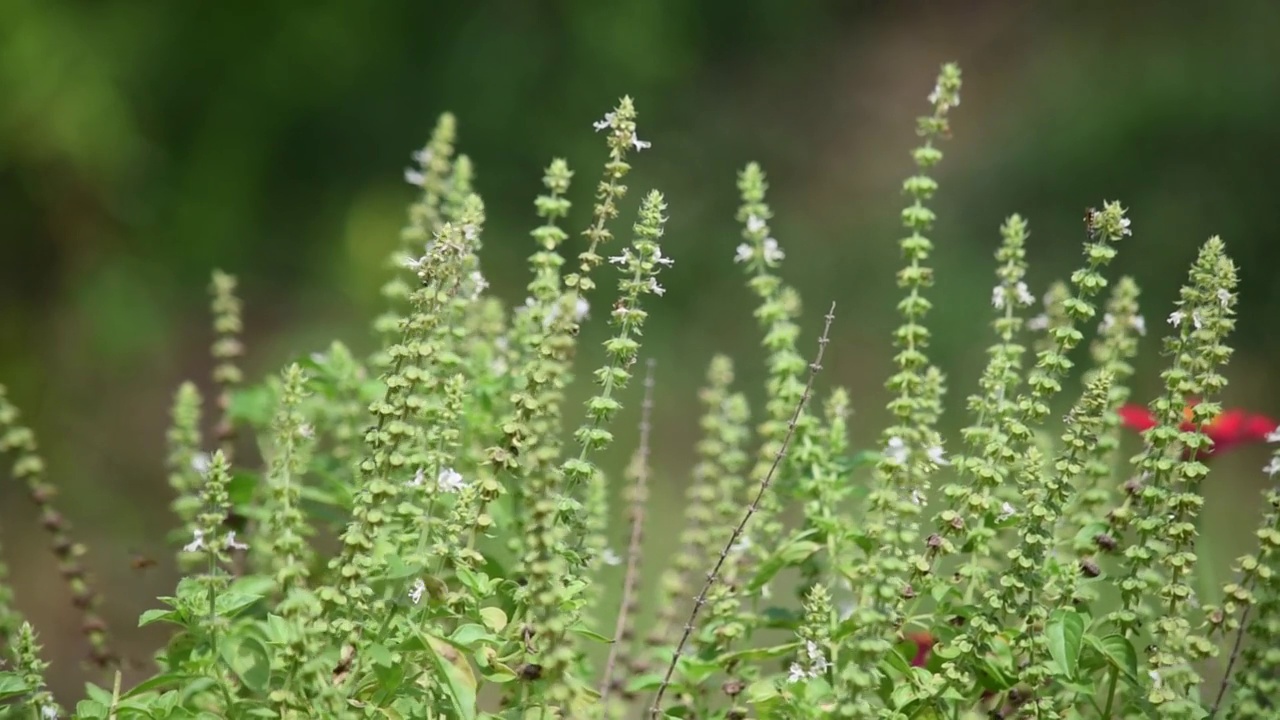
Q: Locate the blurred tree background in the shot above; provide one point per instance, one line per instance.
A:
(143, 144)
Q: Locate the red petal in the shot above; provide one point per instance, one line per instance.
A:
(1227, 429)
(924, 643)
(1137, 417)
(1235, 427)
(1258, 427)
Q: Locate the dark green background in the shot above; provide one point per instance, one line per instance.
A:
(142, 144)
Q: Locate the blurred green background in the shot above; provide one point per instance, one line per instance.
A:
(143, 144)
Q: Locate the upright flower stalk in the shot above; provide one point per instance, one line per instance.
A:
(1162, 557)
(393, 443)
(430, 172)
(1112, 352)
(974, 509)
(552, 586)
(912, 448)
(540, 345)
(228, 326)
(779, 307)
(187, 463)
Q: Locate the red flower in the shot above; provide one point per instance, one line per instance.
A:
(1231, 427)
(924, 642)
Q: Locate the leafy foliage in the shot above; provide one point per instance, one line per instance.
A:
(425, 537)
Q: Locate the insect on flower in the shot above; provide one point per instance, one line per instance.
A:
(1231, 428)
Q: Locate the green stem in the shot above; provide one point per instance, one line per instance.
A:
(1111, 691)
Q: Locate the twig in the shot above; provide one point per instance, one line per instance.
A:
(1231, 661)
(701, 600)
(637, 533)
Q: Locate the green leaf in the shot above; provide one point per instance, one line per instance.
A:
(390, 677)
(177, 653)
(155, 683)
(479, 584)
(792, 553)
(1119, 653)
(762, 692)
(696, 670)
(279, 631)
(89, 709)
(996, 670)
(12, 685)
(494, 618)
(944, 651)
(1065, 631)
(166, 706)
(231, 603)
(100, 694)
(158, 615)
(897, 657)
(460, 683)
(379, 654)
(470, 634)
(498, 557)
(903, 695)
(250, 661)
(190, 592)
(941, 591)
(1079, 688)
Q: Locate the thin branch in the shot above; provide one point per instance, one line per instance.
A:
(1235, 655)
(637, 533)
(814, 367)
